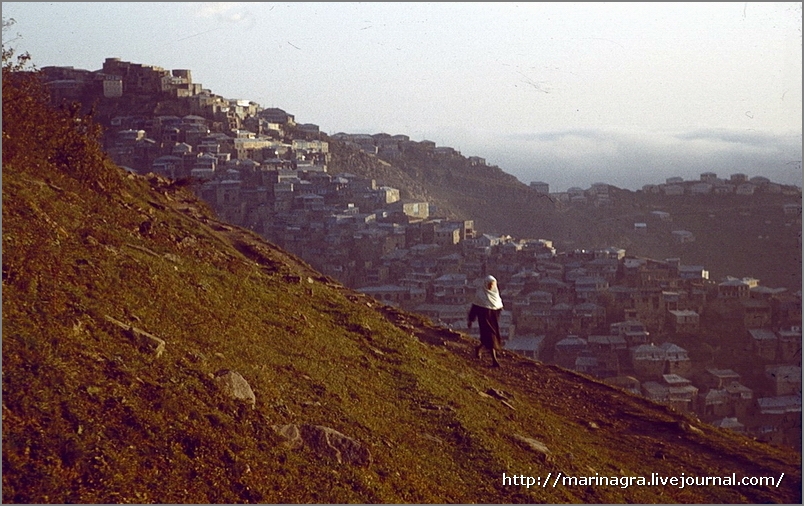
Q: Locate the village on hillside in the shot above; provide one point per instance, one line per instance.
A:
(637, 323)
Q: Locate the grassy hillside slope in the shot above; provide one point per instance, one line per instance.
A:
(125, 301)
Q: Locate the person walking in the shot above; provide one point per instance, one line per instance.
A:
(486, 309)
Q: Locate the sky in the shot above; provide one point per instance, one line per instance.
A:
(566, 93)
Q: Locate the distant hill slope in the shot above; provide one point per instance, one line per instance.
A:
(128, 308)
(736, 235)
(497, 201)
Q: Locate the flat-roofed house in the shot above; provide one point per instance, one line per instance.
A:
(730, 423)
(648, 361)
(529, 346)
(786, 379)
(677, 359)
(764, 342)
(683, 321)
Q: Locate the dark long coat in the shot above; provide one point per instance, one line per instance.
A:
(488, 320)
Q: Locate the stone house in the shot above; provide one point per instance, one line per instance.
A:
(779, 420)
(447, 235)
(632, 266)
(529, 346)
(730, 423)
(568, 350)
(701, 189)
(414, 209)
(611, 353)
(733, 399)
(561, 317)
(661, 216)
(394, 295)
(522, 283)
(549, 267)
(648, 361)
(683, 236)
(451, 315)
(790, 345)
(693, 272)
(786, 379)
(764, 343)
(681, 394)
(683, 321)
(787, 312)
(540, 187)
(677, 359)
(169, 166)
(452, 288)
(587, 288)
(733, 288)
(670, 300)
(756, 313)
(588, 316)
(719, 378)
(604, 268)
(450, 264)
(587, 364)
(654, 273)
(723, 189)
(741, 398)
(634, 332)
(561, 292)
(655, 391)
(714, 404)
(533, 318)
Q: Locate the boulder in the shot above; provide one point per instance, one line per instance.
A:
(534, 445)
(235, 386)
(325, 442)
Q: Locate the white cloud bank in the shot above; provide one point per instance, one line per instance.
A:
(630, 160)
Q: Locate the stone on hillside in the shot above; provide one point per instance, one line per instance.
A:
(140, 337)
(326, 442)
(534, 445)
(498, 394)
(235, 386)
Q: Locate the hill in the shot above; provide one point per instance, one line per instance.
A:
(736, 235)
(152, 353)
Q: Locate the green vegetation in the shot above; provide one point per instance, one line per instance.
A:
(91, 414)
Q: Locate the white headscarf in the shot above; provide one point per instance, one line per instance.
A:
(488, 297)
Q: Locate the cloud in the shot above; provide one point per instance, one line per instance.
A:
(580, 157)
(229, 12)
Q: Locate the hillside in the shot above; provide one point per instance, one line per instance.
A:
(456, 188)
(736, 235)
(128, 307)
